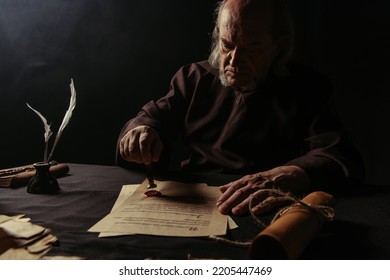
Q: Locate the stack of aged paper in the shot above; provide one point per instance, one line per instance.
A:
(20, 239)
(178, 209)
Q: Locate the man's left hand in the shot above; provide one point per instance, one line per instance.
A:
(237, 194)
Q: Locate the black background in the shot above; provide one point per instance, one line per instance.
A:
(121, 54)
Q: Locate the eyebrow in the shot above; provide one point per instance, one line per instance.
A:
(254, 43)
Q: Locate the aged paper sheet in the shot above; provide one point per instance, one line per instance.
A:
(181, 210)
(126, 191)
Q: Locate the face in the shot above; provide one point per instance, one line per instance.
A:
(247, 49)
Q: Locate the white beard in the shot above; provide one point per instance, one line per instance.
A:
(248, 87)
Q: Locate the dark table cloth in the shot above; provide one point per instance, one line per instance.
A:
(361, 229)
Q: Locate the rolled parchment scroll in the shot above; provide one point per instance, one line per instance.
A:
(19, 176)
(288, 236)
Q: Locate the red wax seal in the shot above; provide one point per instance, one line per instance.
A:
(152, 193)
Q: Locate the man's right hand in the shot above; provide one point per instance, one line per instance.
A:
(142, 144)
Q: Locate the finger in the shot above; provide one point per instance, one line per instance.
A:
(122, 147)
(232, 201)
(125, 146)
(156, 149)
(239, 202)
(228, 190)
(242, 208)
(134, 148)
(224, 188)
(267, 205)
(145, 147)
(252, 179)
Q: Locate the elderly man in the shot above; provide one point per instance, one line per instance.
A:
(248, 110)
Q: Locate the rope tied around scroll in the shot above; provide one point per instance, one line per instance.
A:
(322, 212)
(275, 195)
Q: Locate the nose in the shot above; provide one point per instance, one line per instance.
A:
(235, 56)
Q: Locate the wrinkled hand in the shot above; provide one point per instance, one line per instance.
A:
(237, 194)
(142, 144)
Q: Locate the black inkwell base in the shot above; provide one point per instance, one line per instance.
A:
(43, 182)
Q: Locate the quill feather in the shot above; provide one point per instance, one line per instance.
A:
(66, 119)
(48, 131)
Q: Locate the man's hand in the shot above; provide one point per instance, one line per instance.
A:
(236, 195)
(142, 144)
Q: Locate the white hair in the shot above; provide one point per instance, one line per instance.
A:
(282, 25)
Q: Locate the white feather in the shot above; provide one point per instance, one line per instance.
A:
(66, 119)
(72, 105)
(48, 131)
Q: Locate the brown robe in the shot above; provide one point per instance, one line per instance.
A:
(285, 121)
